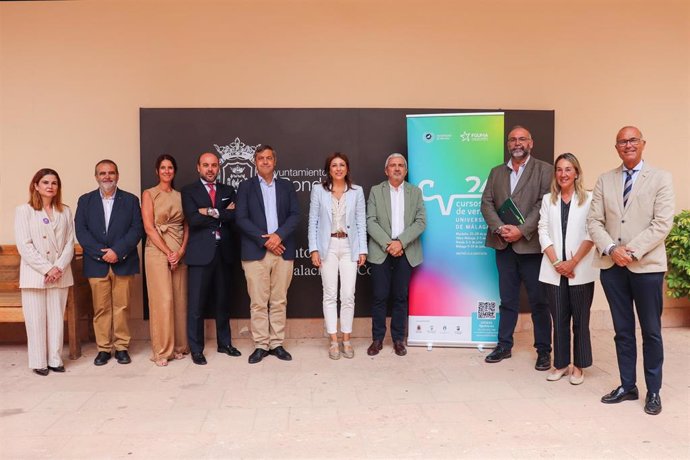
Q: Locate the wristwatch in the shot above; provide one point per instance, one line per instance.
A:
(211, 212)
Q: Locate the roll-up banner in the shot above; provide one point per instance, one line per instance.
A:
(454, 293)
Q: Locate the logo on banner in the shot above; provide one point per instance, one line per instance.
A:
(236, 162)
(428, 137)
(473, 137)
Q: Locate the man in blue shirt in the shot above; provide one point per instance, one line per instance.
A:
(267, 215)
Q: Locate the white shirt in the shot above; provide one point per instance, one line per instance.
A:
(515, 176)
(635, 170)
(339, 209)
(397, 210)
(108, 207)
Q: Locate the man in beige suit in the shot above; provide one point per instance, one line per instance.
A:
(396, 219)
(629, 219)
(525, 180)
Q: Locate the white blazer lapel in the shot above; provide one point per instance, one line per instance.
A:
(48, 227)
(350, 197)
(328, 205)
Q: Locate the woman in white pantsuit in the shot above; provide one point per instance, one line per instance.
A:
(338, 245)
(44, 233)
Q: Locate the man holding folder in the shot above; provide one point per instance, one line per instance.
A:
(510, 206)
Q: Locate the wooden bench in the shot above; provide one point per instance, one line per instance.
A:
(79, 304)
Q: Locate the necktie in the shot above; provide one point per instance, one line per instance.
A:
(628, 186)
(212, 193)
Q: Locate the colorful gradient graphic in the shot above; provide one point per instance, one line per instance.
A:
(450, 157)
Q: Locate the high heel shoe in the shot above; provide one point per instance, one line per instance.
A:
(577, 379)
(556, 374)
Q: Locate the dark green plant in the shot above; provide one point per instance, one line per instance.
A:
(678, 252)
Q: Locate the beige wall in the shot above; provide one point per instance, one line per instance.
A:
(74, 74)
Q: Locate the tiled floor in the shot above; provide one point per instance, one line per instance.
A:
(444, 403)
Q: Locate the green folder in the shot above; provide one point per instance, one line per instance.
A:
(510, 214)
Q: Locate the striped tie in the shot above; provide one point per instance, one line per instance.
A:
(628, 185)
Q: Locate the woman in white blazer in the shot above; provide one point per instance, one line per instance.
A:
(566, 267)
(44, 233)
(338, 245)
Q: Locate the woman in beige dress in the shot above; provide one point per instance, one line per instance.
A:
(44, 233)
(166, 274)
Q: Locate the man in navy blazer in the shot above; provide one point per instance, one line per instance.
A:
(108, 226)
(267, 216)
(209, 208)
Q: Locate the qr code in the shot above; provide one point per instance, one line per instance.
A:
(486, 310)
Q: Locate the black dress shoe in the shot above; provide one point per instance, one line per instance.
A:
(229, 350)
(652, 404)
(498, 355)
(281, 353)
(57, 369)
(102, 358)
(375, 347)
(42, 372)
(399, 348)
(620, 395)
(543, 361)
(198, 358)
(122, 357)
(257, 355)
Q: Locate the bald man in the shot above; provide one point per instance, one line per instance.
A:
(209, 208)
(630, 216)
(525, 180)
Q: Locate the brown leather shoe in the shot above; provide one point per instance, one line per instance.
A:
(375, 347)
(399, 348)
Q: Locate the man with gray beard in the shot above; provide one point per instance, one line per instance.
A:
(525, 180)
(108, 226)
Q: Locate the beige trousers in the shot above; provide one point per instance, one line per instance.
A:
(111, 311)
(167, 292)
(44, 316)
(268, 281)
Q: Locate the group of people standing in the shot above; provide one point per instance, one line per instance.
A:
(566, 238)
(189, 251)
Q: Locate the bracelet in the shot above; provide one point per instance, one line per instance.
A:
(556, 262)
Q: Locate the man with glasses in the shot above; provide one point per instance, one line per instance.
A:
(629, 219)
(518, 186)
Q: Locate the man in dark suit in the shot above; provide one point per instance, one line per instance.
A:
(629, 218)
(209, 208)
(267, 216)
(108, 226)
(525, 180)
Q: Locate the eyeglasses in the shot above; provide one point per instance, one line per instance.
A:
(513, 140)
(632, 141)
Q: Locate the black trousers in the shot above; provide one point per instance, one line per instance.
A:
(513, 270)
(568, 303)
(391, 280)
(207, 289)
(624, 288)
